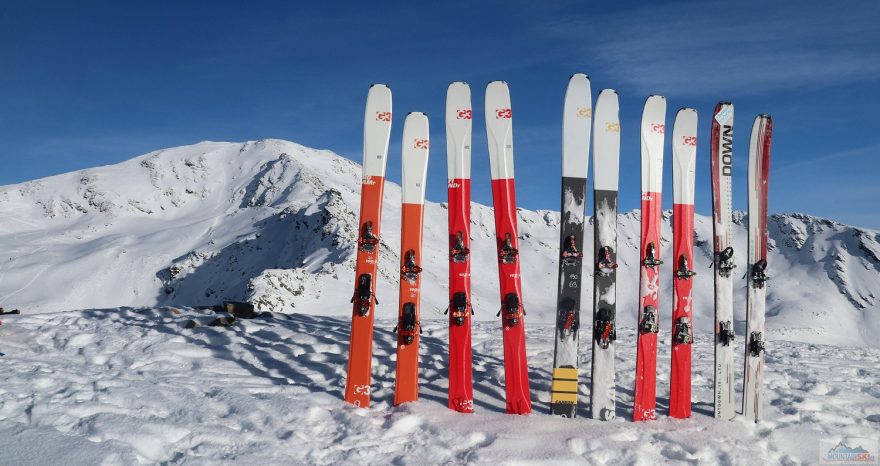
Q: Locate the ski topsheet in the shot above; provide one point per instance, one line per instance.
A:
(415, 167)
(653, 129)
(576, 126)
(499, 132)
(606, 154)
(721, 157)
(377, 130)
(684, 158)
(759, 171)
(459, 119)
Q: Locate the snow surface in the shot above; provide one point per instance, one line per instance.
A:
(275, 222)
(126, 386)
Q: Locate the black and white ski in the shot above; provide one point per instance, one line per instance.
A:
(759, 171)
(721, 154)
(606, 155)
(576, 126)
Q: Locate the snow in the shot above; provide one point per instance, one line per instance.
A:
(274, 222)
(126, 386)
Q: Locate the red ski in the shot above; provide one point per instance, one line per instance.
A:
(499, 132)
(459, 118)
(652, 135)
(684, 155)
(377, 130)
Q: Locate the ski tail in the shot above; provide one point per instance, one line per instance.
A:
(759, 170)
(576, 126)
(653, 130)
(499, 132)
(459, 121)
(684, 158)
(377, 131)
(606, 155)
(721, 159)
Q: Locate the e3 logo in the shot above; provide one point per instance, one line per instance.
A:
(464, 114)
(584, 112)
(689, 140)
(505, 113)
(383, 116)
(613, 127)
(421, 144)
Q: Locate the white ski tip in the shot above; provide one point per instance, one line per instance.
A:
(379, 85)
(579, 75)
(610, 91)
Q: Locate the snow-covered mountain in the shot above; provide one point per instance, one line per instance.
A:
(275, 222)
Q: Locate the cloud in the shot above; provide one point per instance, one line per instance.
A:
(745, 48)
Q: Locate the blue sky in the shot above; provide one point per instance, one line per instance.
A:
(93, 83)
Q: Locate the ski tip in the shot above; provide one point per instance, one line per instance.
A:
(657, 96)
(724, 102)
(610, 91)
(379, 85)
(417, 113)
(765, 116)
(499, 81)
(687, 109)
(458, 82)
(579, 75)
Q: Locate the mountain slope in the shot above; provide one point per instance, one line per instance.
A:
(275, 222)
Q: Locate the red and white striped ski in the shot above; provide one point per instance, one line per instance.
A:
(499, 132)
(415, 168)
(684, 159)
(721, 157)
(759, 172)
(653, 129)
(459, 120)
(377, 130)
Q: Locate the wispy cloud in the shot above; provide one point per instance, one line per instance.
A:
(746, 48)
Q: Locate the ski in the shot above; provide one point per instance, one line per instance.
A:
(414, 159)
(759, 172)
(377, 130)
(606, 155)
(576, 125)
(721, 158)
(499, 132)
(684, 159)
(459, 120)
(653, 131)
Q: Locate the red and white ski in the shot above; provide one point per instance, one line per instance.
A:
(499, 132)
(684, 158)
(415, 168)
(653, 129)
(377, 130)
(721, 156)
(459, 119)
(759, 173)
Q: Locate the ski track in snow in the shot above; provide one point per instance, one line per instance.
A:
(125, 386)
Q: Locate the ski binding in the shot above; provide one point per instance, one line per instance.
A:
(568, 324)
(651, 260)
(725, 261)
(459, 253)
(649, 320)
(459, 306)
(571, 255)
(725, 333)
(759, 273)
(410, 270)
(683, 334)
(605, 333)
(605, 264)
(683, 271)
(507, 253)
(364, 295)
(513, 310)
(756, 343)
(368, 240)
(408, 324)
